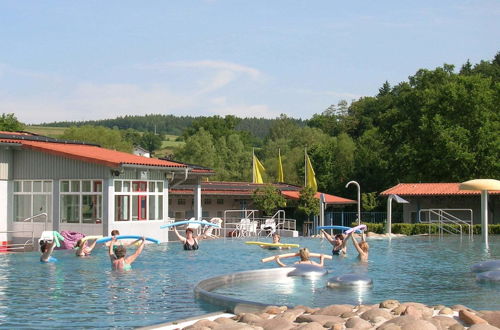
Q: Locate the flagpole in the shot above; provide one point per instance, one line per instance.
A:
(253, 165)
(305, 167)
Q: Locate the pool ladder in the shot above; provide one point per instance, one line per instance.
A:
(443, 219)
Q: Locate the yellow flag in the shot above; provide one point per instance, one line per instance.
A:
(310, 175)
(281, 176)
(258, 170)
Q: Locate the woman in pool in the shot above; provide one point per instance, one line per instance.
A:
(305, 258)
(82, 249)
(119, 261)
(338, 242)
(362, 247)
(189, 242)
(46, 247)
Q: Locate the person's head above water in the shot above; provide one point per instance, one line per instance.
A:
(120, 251)
(304, 254)
(115, 232)
(364, 246)
(276, 238)
(189, 231)
(339, 237)
(44, 245)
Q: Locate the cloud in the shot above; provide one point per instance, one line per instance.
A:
(209, 65)
(37, 97)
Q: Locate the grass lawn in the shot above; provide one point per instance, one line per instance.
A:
(46, 130)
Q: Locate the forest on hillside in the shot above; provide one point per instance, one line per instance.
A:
(169, 124)
(440, 125)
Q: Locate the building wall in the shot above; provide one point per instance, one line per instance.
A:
(211, 206)
(411, 210)
(21, 164)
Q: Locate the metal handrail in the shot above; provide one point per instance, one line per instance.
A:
(19, 246)
(444, 217)
(36, 216)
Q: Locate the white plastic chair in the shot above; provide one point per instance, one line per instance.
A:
(211, 229)
(269, 227)
(243, 228)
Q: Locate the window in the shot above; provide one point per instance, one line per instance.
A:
(207, 201)
(32, 198)
(138, 200)
(220, 201)
(181, 201)
(81, 201)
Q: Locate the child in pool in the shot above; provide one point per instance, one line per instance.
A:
(82, 249)
(118, 258)
(338, 242)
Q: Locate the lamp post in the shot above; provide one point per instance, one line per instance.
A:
(359, 199)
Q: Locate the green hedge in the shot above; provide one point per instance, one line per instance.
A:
(420, 228)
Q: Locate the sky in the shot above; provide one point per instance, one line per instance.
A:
(87, 60)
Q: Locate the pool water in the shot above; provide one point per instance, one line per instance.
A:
(85, 293)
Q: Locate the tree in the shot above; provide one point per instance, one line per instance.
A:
(151, 142)
(105, 137)
(9, 123)
(369, 201)
(268, 199)
(308, 204)
(199, 149)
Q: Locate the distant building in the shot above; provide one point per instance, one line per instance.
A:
(423, 196)
(140, 151)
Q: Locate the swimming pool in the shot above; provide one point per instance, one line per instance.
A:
(85, 293)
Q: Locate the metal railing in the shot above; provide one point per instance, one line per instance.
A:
(36, 216)
(18, 246)
(443, 218)
(246, 224)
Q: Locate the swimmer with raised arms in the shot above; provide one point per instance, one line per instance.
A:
(118, 258)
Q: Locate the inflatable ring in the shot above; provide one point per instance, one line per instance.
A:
(307, 270)
(485, 266)
(349, 280)
(489, 276)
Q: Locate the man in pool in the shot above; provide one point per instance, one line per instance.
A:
(118, 258)
(338, 242)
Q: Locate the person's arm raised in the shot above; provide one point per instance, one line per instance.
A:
(356, 245)
(131, 259)
(328, 237)
(179, 236)
(111, 251)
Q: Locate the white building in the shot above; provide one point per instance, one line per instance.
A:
(49, 184)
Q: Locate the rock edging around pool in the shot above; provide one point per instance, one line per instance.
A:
(388, 315)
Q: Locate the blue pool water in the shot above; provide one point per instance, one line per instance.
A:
(85, 293)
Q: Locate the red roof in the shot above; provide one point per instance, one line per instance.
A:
(92, 154)
(247, 189)
(430, 189)
(329, 199)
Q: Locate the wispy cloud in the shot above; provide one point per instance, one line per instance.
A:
(209, 64)
(54, 98)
